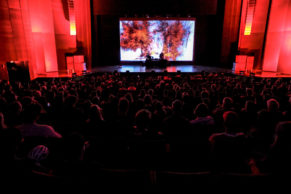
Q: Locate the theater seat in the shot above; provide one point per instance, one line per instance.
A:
(106, 180)
(182, 182)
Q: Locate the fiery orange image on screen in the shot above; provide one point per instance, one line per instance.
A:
(173, 35)
(136, 35)
(173, 38)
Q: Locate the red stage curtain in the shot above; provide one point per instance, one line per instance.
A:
(83, 24)
(230, 27)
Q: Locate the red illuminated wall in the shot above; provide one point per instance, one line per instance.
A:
(42, 32)
(267, 36)
(252, 29)
(278, 43)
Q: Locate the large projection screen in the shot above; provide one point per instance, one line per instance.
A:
(172, 37)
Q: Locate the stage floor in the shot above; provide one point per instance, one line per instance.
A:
(170, 69)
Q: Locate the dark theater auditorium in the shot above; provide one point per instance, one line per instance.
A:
(145, 96)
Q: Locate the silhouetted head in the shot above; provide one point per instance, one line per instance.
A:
(230, 119)
(250, 106)
(177, 106)
(227, 103)
(32, 112)
(143, 118)
(283, 134)
(95, 113)
(273, 105)
(71, 101)
(201, 110)
(123, 106)
(148, 99)
(38, 154)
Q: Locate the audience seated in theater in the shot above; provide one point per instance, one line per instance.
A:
(105, 117)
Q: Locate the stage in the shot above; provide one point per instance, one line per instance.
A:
(140, 69)
(170, 69)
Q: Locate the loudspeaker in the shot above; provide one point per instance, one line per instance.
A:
(18, 71)
(3, 72)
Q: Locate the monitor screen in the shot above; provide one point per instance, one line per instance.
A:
(172, 37)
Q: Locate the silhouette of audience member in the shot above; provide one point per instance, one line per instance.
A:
(30, 128)
(227, 105)
(248, 115)
(2, 122)
(203, 124)
(176, 124)
(95, 125)
(274, 113)
(13, 115)
(279, 160)
(228, 149)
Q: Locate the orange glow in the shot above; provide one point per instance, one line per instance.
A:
(248, 30)
(249, 17)
(73, 31)
(72, 16)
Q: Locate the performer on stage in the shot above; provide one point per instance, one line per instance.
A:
(162, 56)
(163, 61)
(148, 61)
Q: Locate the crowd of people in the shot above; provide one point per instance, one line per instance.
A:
(203, 121)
